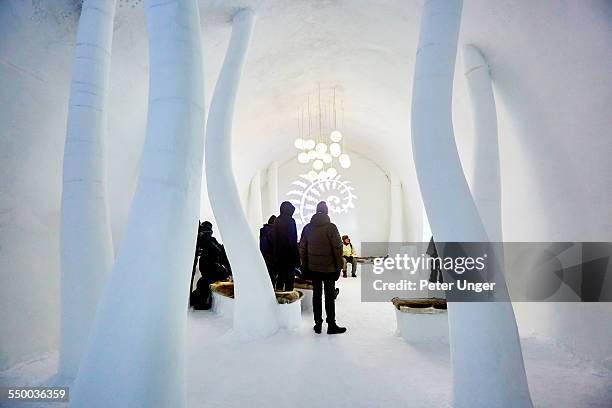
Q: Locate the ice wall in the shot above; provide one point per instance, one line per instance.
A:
(35, 61)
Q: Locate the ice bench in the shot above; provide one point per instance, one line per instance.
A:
(421, 320)
(289, 304)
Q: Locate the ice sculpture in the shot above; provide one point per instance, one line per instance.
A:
(255, 310)
(272, 182)
(486, 184)
(254, 204)
(487, 361)
(135, 357)
(86, 247)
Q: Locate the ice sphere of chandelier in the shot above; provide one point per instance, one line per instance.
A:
(324, 154)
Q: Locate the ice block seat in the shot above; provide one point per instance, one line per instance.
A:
(289, 304)
(304, 285)
(421, 320)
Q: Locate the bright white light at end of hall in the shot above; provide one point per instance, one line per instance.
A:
(317, 164)
(335, 149)
(303, 158)
(299, 143)
(321, 148)
(335, 136)
(345, 161)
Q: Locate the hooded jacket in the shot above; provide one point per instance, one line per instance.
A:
(320, 245)
(265, 244)
(283, 237)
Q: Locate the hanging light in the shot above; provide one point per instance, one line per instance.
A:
(332, 172)
(309, 144)
(312, 175)
(299, 143)
(321, 148)
(345, 161)
(322, 175)
(327, 158)
(303, 158)
(312, 155)
(335, 136)
(335, 149)
(317, 164)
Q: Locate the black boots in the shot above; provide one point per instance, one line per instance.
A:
(333, 328)
(353, 275)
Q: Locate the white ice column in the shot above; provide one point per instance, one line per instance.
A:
(135, 357)
(396, 216)
(254, 204)
(255, 311)
(273, 204)
(86, 247)
(487, 361)
(486, 184)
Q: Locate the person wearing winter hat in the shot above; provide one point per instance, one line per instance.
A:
(283, 238)
(321, 255)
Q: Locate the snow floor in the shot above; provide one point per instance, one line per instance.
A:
(369, 366)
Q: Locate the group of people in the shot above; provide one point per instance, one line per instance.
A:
(320, 255)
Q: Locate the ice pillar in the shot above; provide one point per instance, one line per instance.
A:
(254, 204)
(273, 204)
(486, 355)
(396, 216)
(255, 306)
(486, 185)
(86, 248)
(135, 357)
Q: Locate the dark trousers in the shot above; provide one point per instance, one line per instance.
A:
(285, 277)
(329, 284)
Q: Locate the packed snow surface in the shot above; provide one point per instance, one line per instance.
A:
(369, 366)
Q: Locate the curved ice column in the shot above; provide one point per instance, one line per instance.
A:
(486, 185)
(273, 204)
(255, 205)
(135, 357)
(86, 247)
(396, 216)
(255, 312)
(487, 361)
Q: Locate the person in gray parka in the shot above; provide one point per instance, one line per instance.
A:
(321, 256)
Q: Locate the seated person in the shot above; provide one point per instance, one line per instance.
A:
(349, 254)
(213, 264)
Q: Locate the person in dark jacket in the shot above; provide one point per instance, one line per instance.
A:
(321, 255)
(213, 264)
(284, 247)
(265, 246)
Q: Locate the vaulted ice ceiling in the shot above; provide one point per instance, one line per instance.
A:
(550, 62)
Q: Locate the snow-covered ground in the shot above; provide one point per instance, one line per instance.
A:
(369, 366)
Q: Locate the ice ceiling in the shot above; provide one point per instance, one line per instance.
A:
(549, 63)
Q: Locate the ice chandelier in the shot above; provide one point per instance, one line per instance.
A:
(317, 149)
